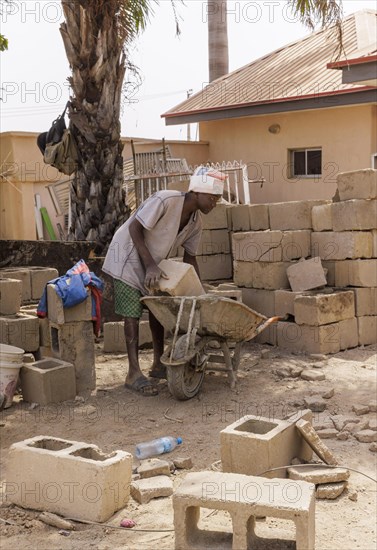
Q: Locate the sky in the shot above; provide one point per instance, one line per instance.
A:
(34, 70)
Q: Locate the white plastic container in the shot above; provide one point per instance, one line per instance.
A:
(10, 364)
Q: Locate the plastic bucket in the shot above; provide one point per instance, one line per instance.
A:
(10, 364)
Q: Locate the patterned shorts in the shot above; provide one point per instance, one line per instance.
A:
(127, 300)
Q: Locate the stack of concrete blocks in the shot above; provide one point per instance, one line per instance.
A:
(72, 338)
(272, 237)
(214, 255)
(19, 288)
(69, 478)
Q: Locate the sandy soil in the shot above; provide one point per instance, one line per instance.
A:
(116, 419)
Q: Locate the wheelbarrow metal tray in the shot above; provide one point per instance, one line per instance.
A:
(217, 316)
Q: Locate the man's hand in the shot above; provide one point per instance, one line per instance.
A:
(152, 276)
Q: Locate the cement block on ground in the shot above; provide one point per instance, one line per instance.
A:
(114, 340)
(266, 275)
(182, 279)
(367, 330)
(292, 215)
(153, 467)
(259, 217)
(143, 490)
(253, 444)
(330, 245)
(21, 274)
(21, 331)
(217, 218)
(358, 273)
(308, 433)
(323, 309)
(250, 499)
(260, 300)
(10, 296)
(48, 381)
(215, 267)
(306, 275)
(348, 333)
(39, 277)
(59, 314)
(240, 217)
(365, 301)
(214, 241)
(74, 343)
(68, 478)
(316, 474)
(358, 184)
(308, 339)
(354, 215)
(330, 491)
(322, 217)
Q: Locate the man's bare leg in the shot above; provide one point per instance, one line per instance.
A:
(158, 370)
(135, 378)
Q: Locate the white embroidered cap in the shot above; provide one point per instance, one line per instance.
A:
(207, 180)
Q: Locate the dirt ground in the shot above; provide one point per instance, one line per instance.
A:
(114, 418)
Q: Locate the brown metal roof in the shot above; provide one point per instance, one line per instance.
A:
(292, 73)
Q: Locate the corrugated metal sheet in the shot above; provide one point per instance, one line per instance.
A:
(296, 71)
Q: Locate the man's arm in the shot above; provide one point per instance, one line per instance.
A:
(188, 259)
(152, 272)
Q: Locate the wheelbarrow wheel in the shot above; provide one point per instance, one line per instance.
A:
(184, 382)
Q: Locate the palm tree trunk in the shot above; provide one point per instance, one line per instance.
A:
(97, 61)
(218, 57)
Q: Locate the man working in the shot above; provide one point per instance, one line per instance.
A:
(164, 221)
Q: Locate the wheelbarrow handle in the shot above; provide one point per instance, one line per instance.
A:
(262, 327)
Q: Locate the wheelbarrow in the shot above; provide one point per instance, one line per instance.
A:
(195, 322)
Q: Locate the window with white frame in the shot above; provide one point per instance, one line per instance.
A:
(306, 162)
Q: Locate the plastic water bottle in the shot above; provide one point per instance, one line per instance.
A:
(157, 446)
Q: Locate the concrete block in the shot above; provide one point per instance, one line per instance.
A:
(292, 215)
(329, 267)
(323, 309)
(267, 275)
(10, 296)
(217, 218)
(48, 381)
(259, 217)
(359, 273)
(44, 333)
(365, 301)
(316, 475)
(367, 330)
(182, 279)
(245, 498)
(215, 267)
(306, 275)
(374, 238)
(284, 300)
(296, 338)
(59, 314)
(309, 434)
(322, 217)
(39, 277)
(260, 300)
(254, 444)
(21, 274)
(153, 467)
(268, 336)
(114, 340)
(330, 491)
(68, 478)
(21, 331)
(358, 184)
(330, 245)
(354, 215)
(214, 241)
(74, 343)
(240, 217)
(270, 246)
(143, 490)
(348, 333)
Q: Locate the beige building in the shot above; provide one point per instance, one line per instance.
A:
(291, 117)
